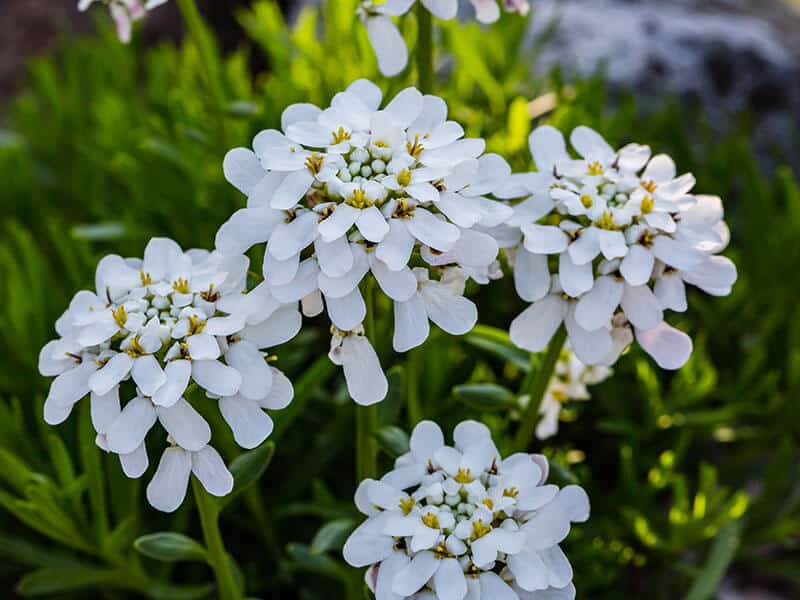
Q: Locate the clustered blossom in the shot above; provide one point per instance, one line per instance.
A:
(124, 12)
(606, 243)
(455, 522)
(570, 381)
(390, 47)
(166, 321)
(353, 190)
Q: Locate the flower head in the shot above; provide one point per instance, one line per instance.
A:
(356, 190)
(124, 12)
(387, 41)
(166, 321)
(606, 243)
(452, 522)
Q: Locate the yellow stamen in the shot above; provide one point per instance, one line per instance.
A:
(404, 177)
(404, 210)
(511, 492)
(414, 148)
(464, 476)
(479, 530)
(442, 552)
(607, 222)
(560, 396)
(650, 186)
(407, 505)
(145, 277)
(586, 200)
(181, 285)
(595, 168)
(487, 502)
(341, 135)
(431, 520)
(648, 202)
(135, 349)
(359, 199)
(196, 325)
(314, 163)
(120, 316)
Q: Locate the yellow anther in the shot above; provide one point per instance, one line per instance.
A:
(414, 148)
(404, 210)
(210, 295)
(649, 186)
(559, 396)
(586, 200)
(380, 144)
(404, 177)
(120, 316)
(181, 285)
(135, 349)
(487, 502)
(196, 325)
(407, 505)
(464, 476)
(441, 552)
(648, 202)
(511, 492)
(341, 135)
(145, 277)
(595, 168)
(607, 222)
(431, 520)
(359, 199)
(646, 239)
(314, 163)
(479, 530)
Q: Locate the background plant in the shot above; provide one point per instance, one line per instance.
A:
(692, 475)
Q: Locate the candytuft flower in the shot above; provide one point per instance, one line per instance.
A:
(124, 12)
(606, 243)
(387, 41)
(165, 322)
(462, 522)
(355, 191)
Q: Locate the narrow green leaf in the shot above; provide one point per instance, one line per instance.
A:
(332, 536)
(486, 396)
(67, 579)
(393, 440)
(723, 551)
(171, 547)
(497, 342)
(248, 468)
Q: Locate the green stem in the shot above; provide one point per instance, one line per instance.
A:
(415, 414)
(208, 510)
(199, 34)
(424, 50)
(536, 384)
(367, 416)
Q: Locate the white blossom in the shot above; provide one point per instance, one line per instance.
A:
(605, 244)
(355, 191)
(124, 12)
(456, 522)
(166, 323)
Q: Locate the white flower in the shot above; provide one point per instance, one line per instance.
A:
(569, 382)
(365, 379)
(124, 12)
(451, 523)
(166, 321)
(624, 234)
(355, 190)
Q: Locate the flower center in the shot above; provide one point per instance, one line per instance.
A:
(464, 476)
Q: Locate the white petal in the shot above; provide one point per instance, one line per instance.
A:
(390, 47)
(715, 275)
(386, 575)
(558, 566)
(395, 249)
(281, 394)
(676, 254)
(202, 346)
(167, 489)
(637, 266)
(432, 231)
(245, 228)
(363, 373)
(591, 145)
(291, 238)
(405, 107)
(444, 9)
(495, 588)
(347, 312)
(531, 275)
(586, 248)
(534, 327)
(279, 328)
(280, 272)
(304, 283)
(669, 347)
(416, 574)
(105, 410)
(298, 113)
(245, 357)
(575, 279)
(475, 249)
(242, 169)
(411, 327)
(135, 464)
(399, 285)
(115, 370)
(661, 168)
(671, 292)
(210, 469)
(544, 239)
(215, 377)
(641, 307)
(338, 287)
(595, 309)
(612, 244)
(369, 93)
(189, 430)
(548, 147)
(452, 313)
(449, 581)
(335, 258)
(591, 347)
(128, 431)
(372, 224)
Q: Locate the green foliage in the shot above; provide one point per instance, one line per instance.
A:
(692, 475)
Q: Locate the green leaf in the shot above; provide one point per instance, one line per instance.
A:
(486, 396)
(67, 579)
(332, 536)
(304, 560)
(171, 547)
(496, 341)
(393, 440)
(726, 544)
(248, 468)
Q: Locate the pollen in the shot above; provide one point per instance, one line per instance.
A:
(120, 316)
(359, 199)
(407, 504)
(135, 349)
(648, 202)
(464, 476)
(414, 148)
(341, 135)
(404, 177)
(607, 222)
(145, 278)
(595, 168)
(649, 186)
(479, 530)
(181, 285)
(431, 520)
(314, 163)
(586, 200)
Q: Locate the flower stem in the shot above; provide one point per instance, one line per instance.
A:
(424, 50)
(367, 416)
(415, 414)
(209, 519)
(536, 385)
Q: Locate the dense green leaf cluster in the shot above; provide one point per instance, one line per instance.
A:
(692, 476)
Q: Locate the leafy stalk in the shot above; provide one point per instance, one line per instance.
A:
(424, 50)
(367, 416)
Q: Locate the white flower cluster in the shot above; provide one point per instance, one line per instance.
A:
(124, 12)
(570, 381)
(390, 47)
(461, 522)
(163, 322)
(355, 189)
(606, 243)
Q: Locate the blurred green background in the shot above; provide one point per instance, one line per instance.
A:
(693, 476)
